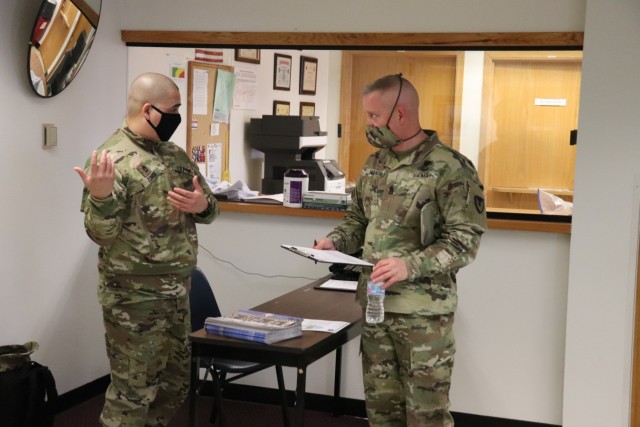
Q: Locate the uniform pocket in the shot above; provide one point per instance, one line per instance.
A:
(430, 224)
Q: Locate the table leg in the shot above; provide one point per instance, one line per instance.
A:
(193, 385)
(283, 396)
(300, 391)
(337, 401)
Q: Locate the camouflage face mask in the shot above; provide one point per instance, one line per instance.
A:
(383, 136)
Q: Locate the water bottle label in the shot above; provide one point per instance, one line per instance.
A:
(374, 288)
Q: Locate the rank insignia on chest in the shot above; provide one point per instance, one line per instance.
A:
(145, 171)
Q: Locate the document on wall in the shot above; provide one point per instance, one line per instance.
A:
(214, 159)
(245, 94)
(199, 93)
(322, 255)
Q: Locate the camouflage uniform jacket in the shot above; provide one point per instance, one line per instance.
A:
(426, 207)
(140, 234)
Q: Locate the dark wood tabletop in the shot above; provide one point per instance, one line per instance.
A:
(306, 302)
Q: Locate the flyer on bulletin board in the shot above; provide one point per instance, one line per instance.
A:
(214, 161)
(223, 101)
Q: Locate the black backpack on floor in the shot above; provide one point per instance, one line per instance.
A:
(27, 389)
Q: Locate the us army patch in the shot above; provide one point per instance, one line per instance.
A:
(479, 202)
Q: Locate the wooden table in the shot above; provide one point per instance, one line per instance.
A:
(306, 302)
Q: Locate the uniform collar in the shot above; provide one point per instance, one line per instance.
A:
(391, 159)
(146, 143)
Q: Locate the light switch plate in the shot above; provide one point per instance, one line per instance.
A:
(50, 135)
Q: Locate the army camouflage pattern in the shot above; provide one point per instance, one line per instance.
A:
(149, 356)
(426, 207)
(139, 232)
(147, 251)
(407, 362)
(14, 356)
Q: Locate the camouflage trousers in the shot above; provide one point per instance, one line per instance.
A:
(149, 354)
(407, 362)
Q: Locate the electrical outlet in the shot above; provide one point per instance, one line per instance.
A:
(50, 135)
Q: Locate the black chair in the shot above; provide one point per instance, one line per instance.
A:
(203, 304)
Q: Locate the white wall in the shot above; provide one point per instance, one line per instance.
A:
(48, 265)
(605, 223)
(356, 16)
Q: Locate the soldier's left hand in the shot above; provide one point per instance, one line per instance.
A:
(189, 201)
(389, 271)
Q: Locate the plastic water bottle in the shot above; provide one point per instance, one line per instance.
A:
(375, 303)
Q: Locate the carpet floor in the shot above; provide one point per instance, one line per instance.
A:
(237, 414)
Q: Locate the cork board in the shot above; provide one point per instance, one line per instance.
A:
(207, 139)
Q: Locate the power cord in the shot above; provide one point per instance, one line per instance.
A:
(250, 273)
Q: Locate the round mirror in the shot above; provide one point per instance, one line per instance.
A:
(60, 41)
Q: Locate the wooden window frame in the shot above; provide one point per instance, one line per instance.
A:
(406, 41)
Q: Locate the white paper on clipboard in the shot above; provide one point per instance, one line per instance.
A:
(322, 255)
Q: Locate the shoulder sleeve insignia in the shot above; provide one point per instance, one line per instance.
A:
(479, 202)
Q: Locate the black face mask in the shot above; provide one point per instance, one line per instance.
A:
(167, 125)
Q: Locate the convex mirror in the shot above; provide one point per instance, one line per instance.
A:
(60, 41)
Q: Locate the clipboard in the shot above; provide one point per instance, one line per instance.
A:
(329, 256)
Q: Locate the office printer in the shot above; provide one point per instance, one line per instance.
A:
(290, 142)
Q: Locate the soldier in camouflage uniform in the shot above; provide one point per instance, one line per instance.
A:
(142, 199)
(418, 213)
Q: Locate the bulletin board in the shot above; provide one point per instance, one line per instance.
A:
(207, 138)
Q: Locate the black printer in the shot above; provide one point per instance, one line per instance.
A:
(290, 142)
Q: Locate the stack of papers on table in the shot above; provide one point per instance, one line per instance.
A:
(257, 326)
(318, 325)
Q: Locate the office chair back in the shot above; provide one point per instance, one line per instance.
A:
(203, 304)
(202, 301)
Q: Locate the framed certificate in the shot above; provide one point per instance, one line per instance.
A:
(281, 108)
(248, 55)
(308, 75)
(281, 71)
(307, 108)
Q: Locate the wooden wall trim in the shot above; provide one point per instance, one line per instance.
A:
(354, 40)
(493, 223)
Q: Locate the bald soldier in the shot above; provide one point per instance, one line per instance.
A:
(418, 213)
(142, 199)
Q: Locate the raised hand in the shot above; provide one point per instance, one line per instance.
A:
(101, 178)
